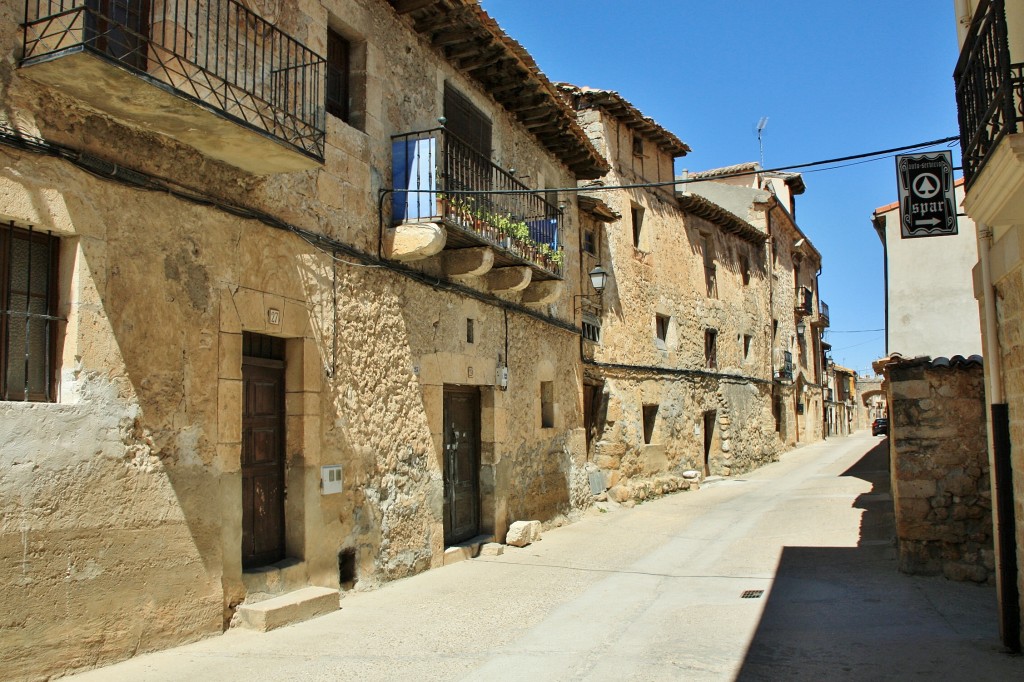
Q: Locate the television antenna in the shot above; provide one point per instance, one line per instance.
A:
(761, 125)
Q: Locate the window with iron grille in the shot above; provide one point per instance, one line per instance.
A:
(591, 329)
(28, 322)
(338, 69)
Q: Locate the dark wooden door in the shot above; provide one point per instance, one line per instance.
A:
(263, 487)
(461, 464)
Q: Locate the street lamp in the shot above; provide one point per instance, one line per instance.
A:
(598, 278)
(800, 328)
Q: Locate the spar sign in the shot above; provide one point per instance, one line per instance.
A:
(927, 206)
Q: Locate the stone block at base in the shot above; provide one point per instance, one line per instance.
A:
(294, 607)
(522, 533)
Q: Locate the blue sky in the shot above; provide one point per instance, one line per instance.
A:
(833, 78)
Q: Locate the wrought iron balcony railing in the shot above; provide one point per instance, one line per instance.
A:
(215, 53)
(440, 178)
(822, 313)
(785, 369)
(989, 89)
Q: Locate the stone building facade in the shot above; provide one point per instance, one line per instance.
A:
(940, 472)
(680, 362)
(259, 356)
(797, 314)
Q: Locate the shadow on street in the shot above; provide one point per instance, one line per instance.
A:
(847, 613)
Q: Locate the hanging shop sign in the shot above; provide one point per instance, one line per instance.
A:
(927, 205)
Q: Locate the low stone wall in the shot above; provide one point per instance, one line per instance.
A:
(940, 472)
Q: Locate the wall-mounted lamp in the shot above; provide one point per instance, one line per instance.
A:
(800, 328)
(598, 280)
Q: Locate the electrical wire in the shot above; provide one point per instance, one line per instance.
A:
(684, 181)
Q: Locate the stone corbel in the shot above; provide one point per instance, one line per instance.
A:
(414, 241)
(508, 279)
(543, 293)
(472, 262)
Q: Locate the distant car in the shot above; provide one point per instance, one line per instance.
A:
(880, 427)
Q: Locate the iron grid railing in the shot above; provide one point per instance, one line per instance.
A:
(438, 177)
(823, 312)
(989, 89)
(214, 52)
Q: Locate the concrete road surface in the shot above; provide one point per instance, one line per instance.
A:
(655, 592)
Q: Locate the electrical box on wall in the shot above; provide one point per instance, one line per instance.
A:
(330, 479)
(501, 378)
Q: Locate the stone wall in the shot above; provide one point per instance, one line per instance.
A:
(940, 470)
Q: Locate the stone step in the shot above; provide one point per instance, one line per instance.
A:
(470, 549)
(294, 607)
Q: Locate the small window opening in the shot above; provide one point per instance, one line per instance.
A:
(470, 335)
(710, 274)
(661, 323)
(589, 242)
(338, 69)
(637, 215)
(347, 569)
(650, 417)
(747, 338)
(638, 145)
(711, 348)
(745, 270)
(547, 404)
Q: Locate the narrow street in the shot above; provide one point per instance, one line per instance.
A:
(654, 593)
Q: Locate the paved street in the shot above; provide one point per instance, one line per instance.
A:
(654, 593)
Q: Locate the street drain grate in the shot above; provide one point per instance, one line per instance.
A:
(752, 594)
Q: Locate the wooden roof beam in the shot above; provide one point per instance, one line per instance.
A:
(406, 6)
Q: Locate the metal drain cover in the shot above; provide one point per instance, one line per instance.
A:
(752, 594)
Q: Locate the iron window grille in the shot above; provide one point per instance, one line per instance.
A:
(28, 320)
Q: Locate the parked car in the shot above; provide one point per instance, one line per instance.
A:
(880, 427)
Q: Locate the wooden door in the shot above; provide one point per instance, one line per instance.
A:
(461, 464)
(263, 486)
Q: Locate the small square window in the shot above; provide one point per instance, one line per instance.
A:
(711, 348)
(547, 404)
(650, 417)
(591, 329)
